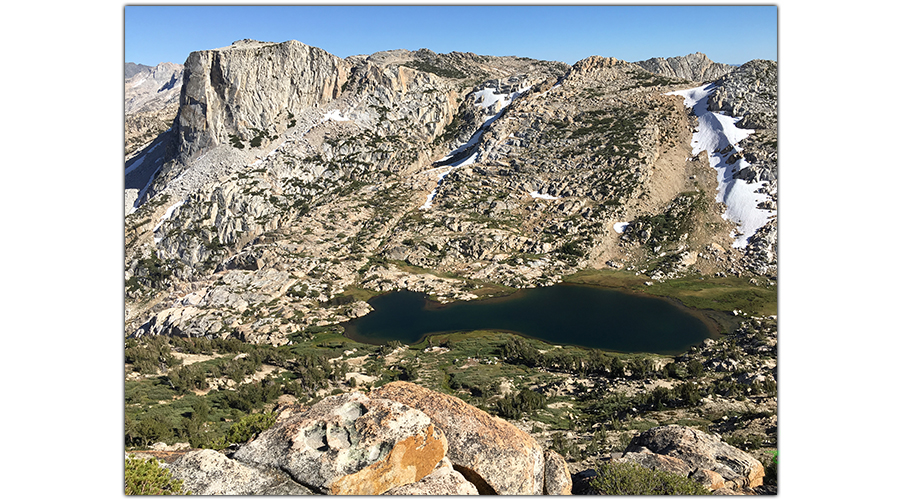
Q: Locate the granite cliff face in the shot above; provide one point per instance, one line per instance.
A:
(695, 67)
(251, 87)
(291, 176)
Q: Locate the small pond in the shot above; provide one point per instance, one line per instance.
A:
(562, 314)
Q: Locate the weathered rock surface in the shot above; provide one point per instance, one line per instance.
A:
(557, 480)
(695, 67)
(351, 444)
(252, 85)
(445, 480)
(689, 452)
(208, 472)
(491, 453)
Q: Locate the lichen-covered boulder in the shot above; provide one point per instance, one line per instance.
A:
(351, 444)
(494, 455)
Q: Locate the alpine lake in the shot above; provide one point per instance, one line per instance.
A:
(580, 315)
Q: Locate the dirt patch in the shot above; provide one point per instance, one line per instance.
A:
(189, 359)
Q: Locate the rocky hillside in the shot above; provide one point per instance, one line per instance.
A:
(292, 177)
(402, 439)
(151, 102)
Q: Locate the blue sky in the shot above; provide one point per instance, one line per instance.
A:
(728, 34)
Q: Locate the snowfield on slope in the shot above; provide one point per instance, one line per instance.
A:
(715, 132)
(488, 98)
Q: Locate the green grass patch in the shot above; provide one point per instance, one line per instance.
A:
(717, 294)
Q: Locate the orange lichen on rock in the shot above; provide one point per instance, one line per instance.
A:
(408, 461)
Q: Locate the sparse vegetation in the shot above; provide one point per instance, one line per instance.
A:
(146, 477)
(614, 478)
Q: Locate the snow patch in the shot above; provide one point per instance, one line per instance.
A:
(535, 194)
(619, 227)
(715, 132)
(334, 115)
(488, 96)
(167, 215)
(134, 166)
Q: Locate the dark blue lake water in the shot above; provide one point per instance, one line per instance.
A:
(562, 314)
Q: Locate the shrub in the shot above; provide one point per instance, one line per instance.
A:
(614, 478)
(146, 477)
(526, 400)
(771, 477)
(249, 427)
(695, 368)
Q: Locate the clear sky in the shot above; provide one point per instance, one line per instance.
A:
(726, 33)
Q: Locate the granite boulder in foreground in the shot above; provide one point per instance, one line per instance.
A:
(695, 454)
(351, 445)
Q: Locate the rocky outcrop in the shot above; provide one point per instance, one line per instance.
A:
(208, 472)
(557, 480)
(751, 92)
(445, 480)
(491, 453)
(152, 88)
(132, 69)
(351, 445)
(695, 67)
(692, 453)
(250, 88)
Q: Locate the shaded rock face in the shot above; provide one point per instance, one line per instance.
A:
(252, 85)
(491, 453)
(692, 453)
(208, 472)
(351, 445)
(695, 67)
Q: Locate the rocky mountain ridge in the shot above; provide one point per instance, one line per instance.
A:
(695, 67)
